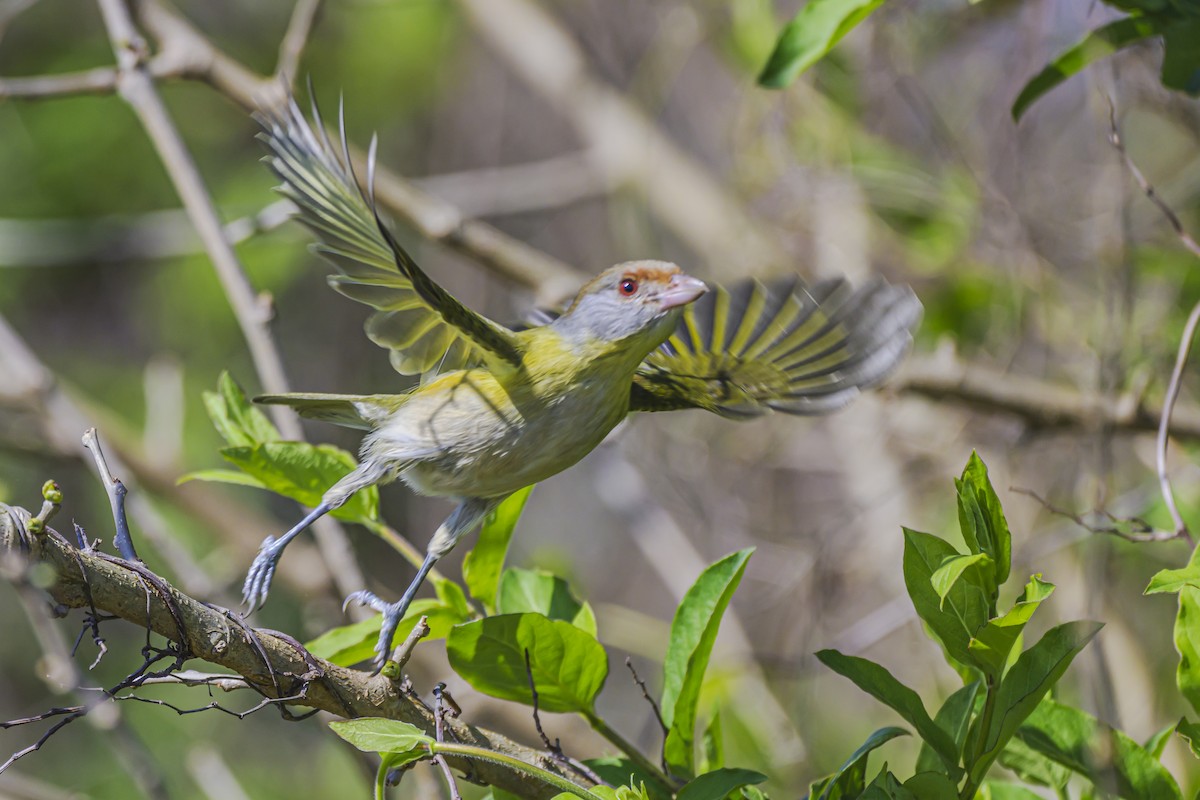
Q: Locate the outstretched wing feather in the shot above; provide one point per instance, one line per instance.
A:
(423, 325)
(784, 346)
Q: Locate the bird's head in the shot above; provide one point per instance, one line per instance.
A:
(635, 303)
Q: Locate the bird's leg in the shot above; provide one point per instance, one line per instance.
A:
(262, 571)
(469, 513)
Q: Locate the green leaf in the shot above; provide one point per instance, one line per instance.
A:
(1181, 61)
(235, 417)
(977, 569)
(221, 476)
(887, 786)
(880, 684)
(993, 643)
(482, 566)
(954, 620)
(954, 717)
(931, 786)
(693, 633)
(1098, 44)
(454, 598)
(1157, 743)
(1112, 761)
(568, 665)
(1190, 733)
(712, 745)
(1187, 638)
(376, 735)
(1033, 767)
(524, 590)
(1027, 682)
(850, 779)
(304, 472)
(717, 784)
(620, 771)
(981, 519)
(1173, 580)
(352, 644)
(811, 34)
(1000, 790)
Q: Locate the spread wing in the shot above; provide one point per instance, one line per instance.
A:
(426, 329)
(782, 346)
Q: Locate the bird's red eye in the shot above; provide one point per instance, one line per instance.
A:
(628, 287)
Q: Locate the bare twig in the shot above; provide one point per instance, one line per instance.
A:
(646, 695)
(116, 496)
(439, 716)
(519, 188)
(555, 750)
(120, 238)
(1130, 529)
(404, 651)
(1114, 136)
(291, 49)
(1160, 446)
(1189, 330)
(537, 720)
(101, 80)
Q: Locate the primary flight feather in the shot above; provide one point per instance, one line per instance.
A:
(501, 408)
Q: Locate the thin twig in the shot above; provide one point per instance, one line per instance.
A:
(1114, 137)
(646, 695)
(101, 80)
(291, 49)
(1134, 530)
(555, 750)
(404, 651)
(1189, 330)
(439, 717)
(1160, 442)
(537, 720)
(116, 496)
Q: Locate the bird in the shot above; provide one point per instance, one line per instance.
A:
(502, 407)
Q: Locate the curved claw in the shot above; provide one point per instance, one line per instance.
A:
(260, 574)
(365, 598)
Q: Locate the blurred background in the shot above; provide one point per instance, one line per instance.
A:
(596, 131)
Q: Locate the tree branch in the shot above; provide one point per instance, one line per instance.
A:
(87, 579)
(1040, 404)
(181, 44)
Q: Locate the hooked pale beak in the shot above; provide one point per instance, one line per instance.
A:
(682, 289)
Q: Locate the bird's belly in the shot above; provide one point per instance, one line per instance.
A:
(492, 450)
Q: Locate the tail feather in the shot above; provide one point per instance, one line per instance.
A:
(362, 411)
